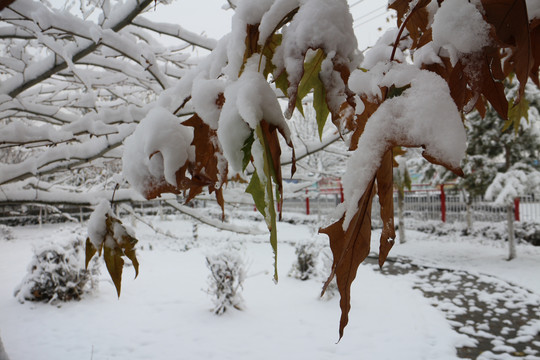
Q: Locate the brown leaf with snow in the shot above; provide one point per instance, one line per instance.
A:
(349, 248)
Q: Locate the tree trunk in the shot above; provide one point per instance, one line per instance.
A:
(469, 215)
(3, 355)
(401, 222)
(511, 239)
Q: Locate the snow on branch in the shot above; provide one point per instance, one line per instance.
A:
(212, 222)
(43, 70)
(176, 31)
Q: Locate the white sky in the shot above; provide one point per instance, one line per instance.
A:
(208, 17)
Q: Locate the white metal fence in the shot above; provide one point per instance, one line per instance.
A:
(425, 204)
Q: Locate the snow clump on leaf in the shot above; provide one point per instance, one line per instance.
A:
(159, 146)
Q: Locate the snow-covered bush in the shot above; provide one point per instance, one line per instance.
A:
(529, 232)
(57, 273)
(5, 232)
(227, 274)
(305, 266)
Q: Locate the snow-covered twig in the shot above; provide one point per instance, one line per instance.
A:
(129, 209)
(214, 223)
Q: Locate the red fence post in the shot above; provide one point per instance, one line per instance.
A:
(516, 209)
(307, 203)
(443, 204)
(341, 192)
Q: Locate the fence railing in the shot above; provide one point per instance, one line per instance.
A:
(422, 203)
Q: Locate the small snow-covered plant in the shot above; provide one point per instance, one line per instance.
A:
(5, 232)
(57, 273)
(227, 274)
(305, 266)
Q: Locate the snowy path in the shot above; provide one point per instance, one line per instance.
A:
(502, 318)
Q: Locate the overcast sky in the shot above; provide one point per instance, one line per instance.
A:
(207, 16)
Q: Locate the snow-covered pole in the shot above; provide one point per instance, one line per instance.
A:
(511, 238)
(443, 204)
(516, 209)
(307, 203)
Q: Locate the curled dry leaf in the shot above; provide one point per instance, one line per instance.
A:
(349, 248)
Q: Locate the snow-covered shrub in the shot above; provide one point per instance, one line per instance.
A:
(305, 266)
(57, 273)
(227, 273)
(528, 231)
(5, 232)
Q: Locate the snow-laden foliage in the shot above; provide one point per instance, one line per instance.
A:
(57, 273)
(305, 266)
(108, 236)
(461, 53)
(519, 180)
(227, 275)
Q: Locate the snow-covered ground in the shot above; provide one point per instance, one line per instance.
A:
(165, 313)
(473, 254)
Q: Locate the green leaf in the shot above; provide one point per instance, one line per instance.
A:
(283, 84)
(515, 113)
(115, 263)
(321, 108)
(257, 191)
(268, 51)
(394, 91)
(311, 81)
(246, 149)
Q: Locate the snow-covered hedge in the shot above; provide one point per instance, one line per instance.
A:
(524, 231)
(57, 273)
(227, 274)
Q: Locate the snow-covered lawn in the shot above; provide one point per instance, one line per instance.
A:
(165, 313)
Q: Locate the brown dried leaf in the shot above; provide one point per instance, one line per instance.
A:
(370, 106)
(115, 265)
(349, 249)
(270, 132)
(5, 3)
(511, 23)
(535, 50)
(194, 176)
(385, 190)
(417, 20)
(90, 251)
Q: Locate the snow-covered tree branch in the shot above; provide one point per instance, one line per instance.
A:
(93, 85)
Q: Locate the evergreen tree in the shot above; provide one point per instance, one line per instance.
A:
(496, 148)
(495, 145)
